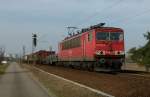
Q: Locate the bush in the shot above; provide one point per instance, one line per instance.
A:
(142, 54)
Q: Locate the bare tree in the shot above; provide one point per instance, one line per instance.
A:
(2, 53)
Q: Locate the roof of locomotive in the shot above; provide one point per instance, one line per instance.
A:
(87, 30)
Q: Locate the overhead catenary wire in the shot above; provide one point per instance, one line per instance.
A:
(126, 19)
(123, 20)
(130, 19)
(110, 7)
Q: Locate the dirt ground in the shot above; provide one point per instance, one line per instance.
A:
(133, 66)
(119, 85)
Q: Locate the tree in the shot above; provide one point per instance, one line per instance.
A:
(2, 54)
(147, 35)
(132, 50)
(142, 54)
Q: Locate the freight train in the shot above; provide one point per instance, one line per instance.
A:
(96, 48)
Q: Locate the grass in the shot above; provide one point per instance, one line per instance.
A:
(3, 68)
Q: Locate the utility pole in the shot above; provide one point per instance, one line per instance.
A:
(50, 48)
(34, 44)
(24, 50)
(23, 53)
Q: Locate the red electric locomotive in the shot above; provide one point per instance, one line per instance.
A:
(94, 48)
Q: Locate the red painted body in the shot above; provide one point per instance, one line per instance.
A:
(88, 50)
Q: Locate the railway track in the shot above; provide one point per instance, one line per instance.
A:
(123, 84)
(136, 73)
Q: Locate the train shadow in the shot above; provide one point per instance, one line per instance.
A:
(134, 72)
(123, 71)
(106, 72)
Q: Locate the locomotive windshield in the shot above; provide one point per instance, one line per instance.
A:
(116, 36)
(102, 36)
(109, 36)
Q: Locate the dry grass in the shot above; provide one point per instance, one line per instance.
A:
(3, 68)
(62, 88)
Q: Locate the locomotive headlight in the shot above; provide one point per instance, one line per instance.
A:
(97, 53)
(119, 53)
(100, 52)
(122, 52)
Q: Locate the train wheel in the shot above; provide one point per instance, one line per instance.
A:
(91, 68)
(83, 66)
(117, 67)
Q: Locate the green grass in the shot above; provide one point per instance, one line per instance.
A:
(3, 68)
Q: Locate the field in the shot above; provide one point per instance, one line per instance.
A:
(133, 66)
(3, 68)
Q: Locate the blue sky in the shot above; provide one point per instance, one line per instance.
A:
(48, 18)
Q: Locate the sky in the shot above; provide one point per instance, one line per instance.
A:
(49, 19)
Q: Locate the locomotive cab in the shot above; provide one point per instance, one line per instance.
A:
(109, 48)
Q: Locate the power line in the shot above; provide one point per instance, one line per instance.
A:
(106, 8)
(128, 19)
